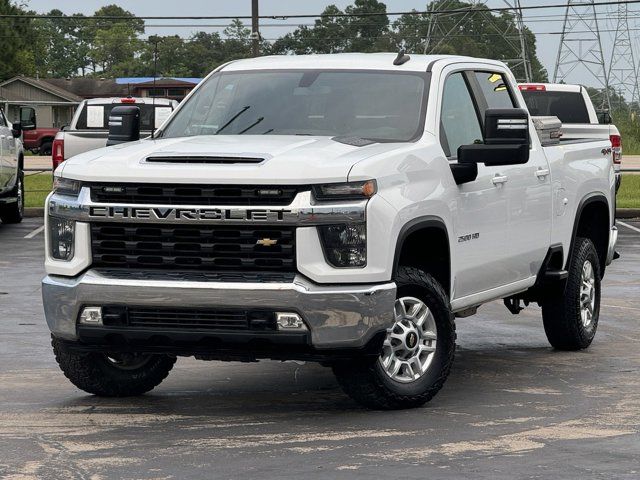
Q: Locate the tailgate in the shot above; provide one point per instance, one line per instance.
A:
(76, 142)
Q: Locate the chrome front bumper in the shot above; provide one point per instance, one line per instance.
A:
(337, 316)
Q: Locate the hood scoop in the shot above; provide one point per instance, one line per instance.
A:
(203, 159)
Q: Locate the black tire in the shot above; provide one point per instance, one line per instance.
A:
(14, 211)
(46, 148)
(365, 380)
(561, 312)
(96, 374)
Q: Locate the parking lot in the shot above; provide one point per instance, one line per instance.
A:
(512, 407)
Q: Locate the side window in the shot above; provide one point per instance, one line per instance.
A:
(459, 123)
(495, 89)
(3, 121)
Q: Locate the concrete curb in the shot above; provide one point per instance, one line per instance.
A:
(627, 212)
(34, 212)
(620, 212)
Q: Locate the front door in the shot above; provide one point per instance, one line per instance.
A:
(481, 213)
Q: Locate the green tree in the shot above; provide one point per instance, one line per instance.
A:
(116, 42)
(478, 34)
(367, 33)
(15, 55)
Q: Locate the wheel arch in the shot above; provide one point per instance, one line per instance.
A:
(593, 222)
(424, 243)
(45, 139)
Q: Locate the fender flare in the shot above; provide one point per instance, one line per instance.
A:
(593, 197)
(419, 223)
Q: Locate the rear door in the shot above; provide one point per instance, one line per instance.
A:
(527, 187)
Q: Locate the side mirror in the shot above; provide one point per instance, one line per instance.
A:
(604, 117)
(28, 118)
(506, 139)
(16, 130)
(124, 125)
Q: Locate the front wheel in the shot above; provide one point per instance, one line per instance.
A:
(571, 316)
(112, 375)
(417, 352)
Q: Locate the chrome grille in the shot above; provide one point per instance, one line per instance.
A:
(208, 248)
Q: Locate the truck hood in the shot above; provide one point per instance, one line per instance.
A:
(288, 159)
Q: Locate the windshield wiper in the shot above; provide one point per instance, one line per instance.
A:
(232, 119)
(252, 125)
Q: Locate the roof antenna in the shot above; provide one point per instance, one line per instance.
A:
(402, 56)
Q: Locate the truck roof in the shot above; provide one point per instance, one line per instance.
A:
(352, 61)
(552, 87)
(109, 100)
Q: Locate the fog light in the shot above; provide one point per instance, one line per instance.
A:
(91, 316)
(289, 321)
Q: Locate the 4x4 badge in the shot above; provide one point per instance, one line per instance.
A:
(266, 242)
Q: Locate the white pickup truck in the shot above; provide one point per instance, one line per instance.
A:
(580, 120)
(335, 208)
(90, 124)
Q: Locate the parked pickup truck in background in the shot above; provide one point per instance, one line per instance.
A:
(90, 125)
(37, 139)
(11, 171)
(337, 208)
(573, 106)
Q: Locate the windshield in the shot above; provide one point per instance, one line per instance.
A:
(381, 106)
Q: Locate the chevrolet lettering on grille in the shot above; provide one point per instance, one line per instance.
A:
(168, 213)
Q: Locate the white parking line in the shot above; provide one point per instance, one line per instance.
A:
(35, 232)
(635, 229)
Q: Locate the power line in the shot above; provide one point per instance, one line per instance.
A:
(289, 16)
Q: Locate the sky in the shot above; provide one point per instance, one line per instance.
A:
(546, 28)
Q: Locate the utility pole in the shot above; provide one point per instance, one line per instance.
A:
(255, 33)
(623, 76)
(580, 51)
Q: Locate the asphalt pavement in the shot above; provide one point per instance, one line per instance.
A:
(512, 408)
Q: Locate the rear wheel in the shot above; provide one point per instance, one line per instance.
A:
(112, 374)
(417, 352)
(571, 316)
(14, 211)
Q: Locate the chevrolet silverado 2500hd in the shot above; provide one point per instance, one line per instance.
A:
(336, 208)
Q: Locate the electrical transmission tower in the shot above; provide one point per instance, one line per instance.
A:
(623, 76)
(439, 32)
(580, 52)
(524, 59)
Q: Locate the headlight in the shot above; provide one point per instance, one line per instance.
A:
(61, 238)
(66, 186)
(345, 191)
(345, 245)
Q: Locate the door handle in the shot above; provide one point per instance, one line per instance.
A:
(499, 179)
(542, 172)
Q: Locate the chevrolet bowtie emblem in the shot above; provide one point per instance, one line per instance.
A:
(266, 242)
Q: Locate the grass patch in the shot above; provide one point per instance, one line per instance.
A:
(37, 187)
(629, 193)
